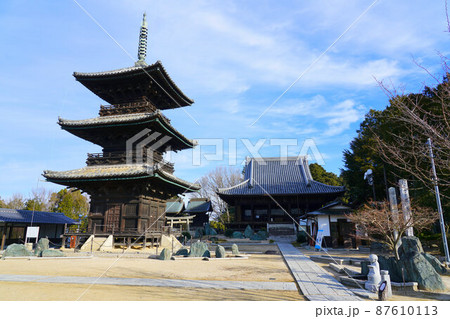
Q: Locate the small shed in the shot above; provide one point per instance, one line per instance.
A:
(14, 223)
(199, 208)
(338, 230)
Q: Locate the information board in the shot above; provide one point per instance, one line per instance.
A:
(32, 232)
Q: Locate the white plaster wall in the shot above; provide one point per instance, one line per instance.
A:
(324, 225)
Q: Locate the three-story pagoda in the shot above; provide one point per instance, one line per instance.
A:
(129, 182)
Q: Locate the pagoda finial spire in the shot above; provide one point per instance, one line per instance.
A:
(142, 49)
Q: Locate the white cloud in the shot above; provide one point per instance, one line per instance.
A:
(341, 116)
(338, 117)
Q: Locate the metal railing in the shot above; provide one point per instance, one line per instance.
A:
(102, 229)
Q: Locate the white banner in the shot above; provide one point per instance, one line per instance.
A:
(319, 239)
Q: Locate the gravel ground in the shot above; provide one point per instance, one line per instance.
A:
(255, 268)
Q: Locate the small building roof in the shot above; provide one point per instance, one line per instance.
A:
(198, 205)
(37, 217)
(333, 208)
(117, 172)
(174, 206)
(278, 176)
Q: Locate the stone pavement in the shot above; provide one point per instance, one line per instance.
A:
(174, 283)
(314, 282)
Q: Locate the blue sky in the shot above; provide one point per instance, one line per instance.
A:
(234, 58)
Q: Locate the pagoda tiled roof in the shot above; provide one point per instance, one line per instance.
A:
(117, 172)
(279, 176)
(149, 73)
(125, 119)
(36, 217)
(111, 119)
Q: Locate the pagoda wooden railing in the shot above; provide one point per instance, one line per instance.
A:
(99, 229)
(111, 158)
(127, 108)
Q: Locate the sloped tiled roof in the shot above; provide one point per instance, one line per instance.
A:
(124, 120)
(117, 172)
(27, 216)
(279, 176)
(111, 119)
(198, 205)
(333, 208)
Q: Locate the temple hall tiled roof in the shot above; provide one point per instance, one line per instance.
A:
(28, 216)
(279, 176)
(117, 172)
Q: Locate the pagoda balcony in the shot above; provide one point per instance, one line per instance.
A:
(127, 108)
(114, 158)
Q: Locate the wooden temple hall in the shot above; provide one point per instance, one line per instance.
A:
(129, 182)
(275, 192)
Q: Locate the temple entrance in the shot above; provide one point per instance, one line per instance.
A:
(112, 218)
(344, 230)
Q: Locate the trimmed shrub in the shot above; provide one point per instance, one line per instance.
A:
(218, 226)
(229, 233)
(301, 237)
(186, 234)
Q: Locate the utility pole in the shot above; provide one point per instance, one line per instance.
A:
(438, 202)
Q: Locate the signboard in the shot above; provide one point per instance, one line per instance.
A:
(319, 239)
(32, 232)
(73, 242)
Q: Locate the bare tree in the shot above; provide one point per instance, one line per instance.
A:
(16, 201)
(419, 117)
(375, 222)
(3, 203)
(220, 177)
(42, 197)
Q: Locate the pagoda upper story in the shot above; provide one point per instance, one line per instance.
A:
(142, 88)
(136, 89)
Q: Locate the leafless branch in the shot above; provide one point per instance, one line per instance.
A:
(375, 222)
(220, 177)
